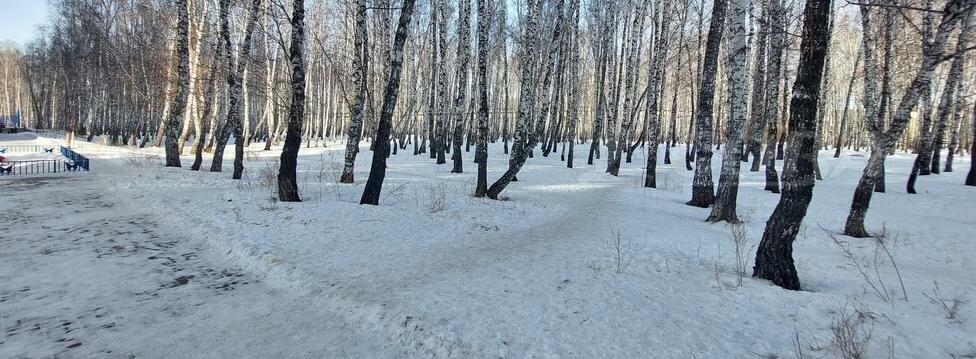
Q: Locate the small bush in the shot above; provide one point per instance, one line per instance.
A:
(865, 266)
(951, 306)
(142, 161)
(620, 248)
(740, 239)
(851, 331)
(435, 198)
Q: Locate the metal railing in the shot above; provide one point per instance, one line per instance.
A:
(35, 167)
(76, 159)
(26, 149)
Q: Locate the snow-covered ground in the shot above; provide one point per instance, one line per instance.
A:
(433, 271)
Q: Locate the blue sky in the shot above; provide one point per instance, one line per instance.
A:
(19, 18)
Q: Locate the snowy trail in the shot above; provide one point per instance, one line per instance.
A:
(84, 275)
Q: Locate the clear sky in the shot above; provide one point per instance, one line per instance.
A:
(19, 19)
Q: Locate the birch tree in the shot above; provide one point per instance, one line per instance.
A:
(461, 92)
(774, 257)
(520, 142)
(702, 187)
(777, 45)
(235, 85)
(883, 140)
(481, 153)
(377, 172)
(654, 86)
(178, 110)
(630, 80)
(728, 184)
(971, 176)
(287, 176)
(360, 66)
(757, 125)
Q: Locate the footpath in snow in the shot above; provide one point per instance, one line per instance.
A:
(84, 273)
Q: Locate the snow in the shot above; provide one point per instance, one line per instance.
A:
(433, 271)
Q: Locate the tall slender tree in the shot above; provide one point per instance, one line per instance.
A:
(774, 75)
(654, 86)
(702, 187)
(774, 257)
(728, 183)
(235, 87)
(883, 140)
(461, 74)
(481, 152)
(208, 105)
(178, 110)
(757, 123)
(971, 176)
(287, 176)
(521, 144)
(377, 172)
(357, 113)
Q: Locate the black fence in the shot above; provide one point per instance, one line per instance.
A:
(77, 161)
(8, 168)
(73, 162)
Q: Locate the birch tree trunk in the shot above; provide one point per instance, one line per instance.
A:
(774, 257)
(773, 76)
(235, 85)
(971, 176)
(630, 80)
(728, 183)
(954, 137)
(702, 187)
(527, 100)
(440, 128)
(884, 140)
(360, 67)
(575, 78)
(287, 176)
(952, 86)
(208, 102)
(481, 151)
(178, 109)
(461, 96)
(757, 123)
(600, 79)
(652, 113)
(847, 105)
(377, 172)
(884, 99)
